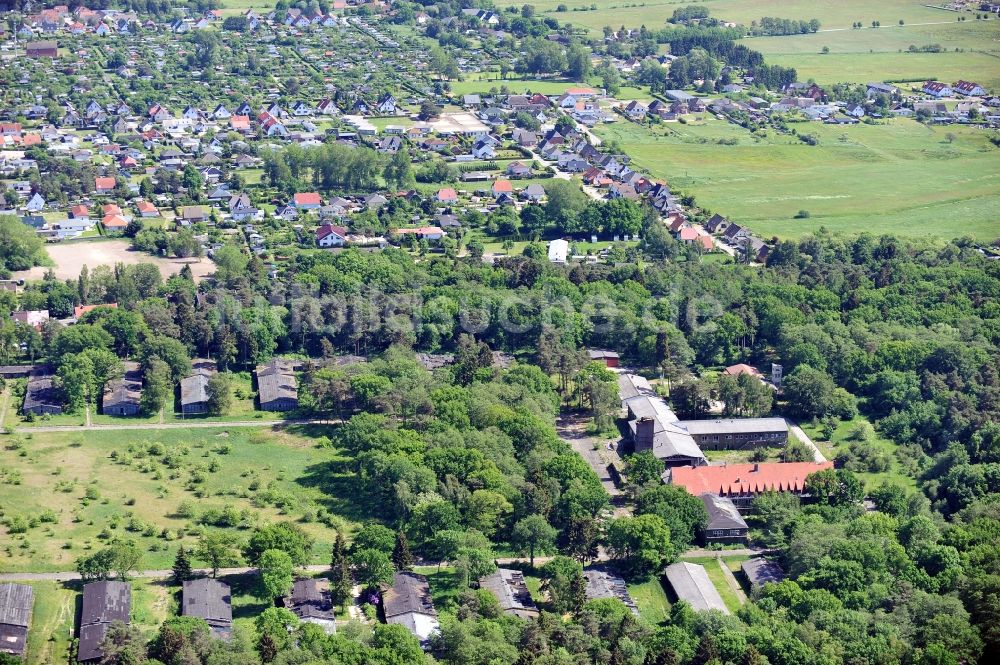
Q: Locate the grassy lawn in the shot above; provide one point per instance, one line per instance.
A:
(651, 599)
(264, 475)
(943, 180)
(841, 440)
(718, 578)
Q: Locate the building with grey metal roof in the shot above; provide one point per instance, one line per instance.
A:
(690, 583)
(103, 603)
(41, 396)
(511, 591)
(122, 396)
(210, 600)
(16, 601)
(277, 388)
(760, 571)
(737, 432)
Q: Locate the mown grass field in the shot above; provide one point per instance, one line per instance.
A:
(897, 177)
(264, 474)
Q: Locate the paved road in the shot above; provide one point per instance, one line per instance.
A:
(804, 438)
(181, 425)
(572, 430)
(699, 553)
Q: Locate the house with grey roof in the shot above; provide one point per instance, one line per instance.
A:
(760, 571)
(408, 603)
(121, 396)
(103, 604)
(211, 600)
(277, 388)
(691, 584)
(654, 427)
(16, 602)
(511, 591)
(41, 396)
(730, 433)
(725, 524)
(602, 583)
(194, 387)
(311, 601)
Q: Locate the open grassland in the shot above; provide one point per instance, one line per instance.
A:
(79, 489)
(654, 13)
(897, 177)
(651, 599)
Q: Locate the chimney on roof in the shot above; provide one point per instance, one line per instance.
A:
(756, 467)
(644, 428)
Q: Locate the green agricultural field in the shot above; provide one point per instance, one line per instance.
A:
(654, 13)
(897, 177)
(77, 489)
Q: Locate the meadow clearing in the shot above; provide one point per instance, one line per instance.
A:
(63, 494)
(897, 177)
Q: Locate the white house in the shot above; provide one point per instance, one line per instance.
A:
(329, 235)
(558, 251)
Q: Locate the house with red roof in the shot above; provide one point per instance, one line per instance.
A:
(706, 242)
(80, 310)
(147, 209)
(741, 368)
(79, 211)
(329, 235)
(105, 185)
(306, 200)
(110, 209)
(502, 187)
(742, 482)
(446, 195)
(687, 234)
(114, 223)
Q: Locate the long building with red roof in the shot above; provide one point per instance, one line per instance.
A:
(742, 482)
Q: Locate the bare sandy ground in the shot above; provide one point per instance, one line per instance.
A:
(70, 257)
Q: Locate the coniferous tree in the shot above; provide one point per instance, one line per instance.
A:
(402, 559)
(182, 566)
(340, 572)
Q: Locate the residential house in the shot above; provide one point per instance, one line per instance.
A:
(80, 310)
(635, 111)
(121, 396)
(446, 195)
(16, 604)
(937, 89)
(602, 583)
(558, 251)
(423, 232)
(240, 207)
(408, 603)
(32, 317)
(147, 209)
(533, 193)
(386, 105)
(329, 235)
(194, 387)
(716, 224)
(725, 524)
(742, 482)
(510, 589)
(607, 358)
(690, 583)
(35, 203)
(518, 169)
(193, 215)
(103, 603)
(310, 600)
(306, 200)
(277, 388)
(969, 89)
(211, 600)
